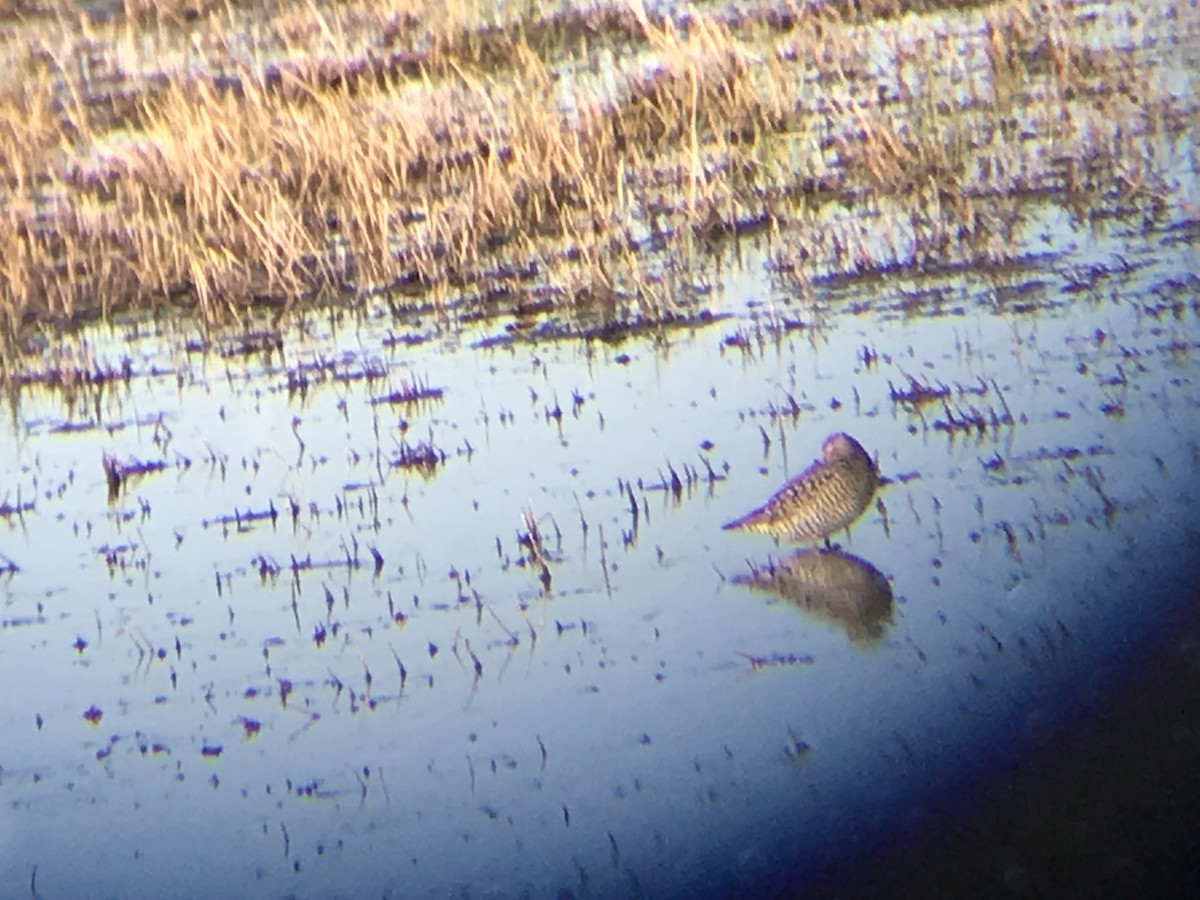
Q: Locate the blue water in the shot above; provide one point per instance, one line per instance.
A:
(618, 740)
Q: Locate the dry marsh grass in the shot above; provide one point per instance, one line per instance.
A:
(469, 155)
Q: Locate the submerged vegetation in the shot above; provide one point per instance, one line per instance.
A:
(525, 156)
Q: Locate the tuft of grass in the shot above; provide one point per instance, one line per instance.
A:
(220, 158)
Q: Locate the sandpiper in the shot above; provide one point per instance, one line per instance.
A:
(826, 497)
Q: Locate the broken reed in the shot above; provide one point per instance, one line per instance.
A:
(218, 158)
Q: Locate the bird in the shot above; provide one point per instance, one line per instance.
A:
(826, 497)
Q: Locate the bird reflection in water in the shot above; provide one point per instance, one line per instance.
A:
(832, 585)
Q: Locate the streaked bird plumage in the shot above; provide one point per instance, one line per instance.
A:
(826, 497)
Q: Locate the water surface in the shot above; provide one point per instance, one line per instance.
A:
(280, 663)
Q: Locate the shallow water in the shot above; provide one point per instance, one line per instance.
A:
(275, 716)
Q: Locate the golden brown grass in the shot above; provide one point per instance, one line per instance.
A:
(168, 153)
